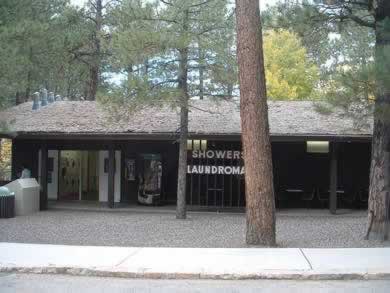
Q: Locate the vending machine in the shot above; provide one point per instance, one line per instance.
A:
(149, 179)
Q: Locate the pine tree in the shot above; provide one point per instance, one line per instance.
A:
(374, 15)
(259, 190)
(41, 45)
(169, 35)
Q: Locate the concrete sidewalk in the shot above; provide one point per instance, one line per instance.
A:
(197, 263)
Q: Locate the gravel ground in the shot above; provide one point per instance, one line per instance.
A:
(295, 228)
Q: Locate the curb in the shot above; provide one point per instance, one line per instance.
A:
(265, 275)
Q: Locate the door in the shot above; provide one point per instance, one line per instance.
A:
(78, 175)
(69, 175)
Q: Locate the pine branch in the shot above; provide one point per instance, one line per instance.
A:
(166, 2)
(201, 3)
(361, 22)
(163, 82)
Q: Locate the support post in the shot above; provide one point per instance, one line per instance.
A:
(44, 162)
(111, 176)
(333, 179)
(13, 163)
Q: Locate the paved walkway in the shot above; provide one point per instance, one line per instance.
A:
(197, 263)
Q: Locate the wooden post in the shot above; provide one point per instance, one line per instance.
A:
(14, 162)
(111, 176)
(44, 162)
(333, 179)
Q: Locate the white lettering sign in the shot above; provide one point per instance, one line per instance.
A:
(221, 170)
(216, 154)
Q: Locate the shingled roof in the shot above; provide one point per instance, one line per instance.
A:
(287, 118)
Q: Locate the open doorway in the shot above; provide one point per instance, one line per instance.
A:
(78, 175)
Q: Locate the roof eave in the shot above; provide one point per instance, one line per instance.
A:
(278, 137)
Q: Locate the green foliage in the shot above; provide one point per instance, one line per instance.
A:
(306, 23)
(351, 75)
(289, 73)
(29, 44)
(342, 49)
(5, 159)
(323, 108)
(147, 40)
(44, 43)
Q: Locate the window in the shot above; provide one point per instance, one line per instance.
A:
(203, 145)
(5, 159)
(189, 144)
(196, 144)
(317, 147)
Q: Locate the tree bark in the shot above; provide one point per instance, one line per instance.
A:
(259, 190)
(201, 70)
(94, 71)
(181, 210)
(93, 82)
(27, 91)
(146, 67)
(379, 182)
(230, 90)
(18, 98)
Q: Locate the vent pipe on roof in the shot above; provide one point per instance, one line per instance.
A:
(35, 105)
(43, 97)
(50, 99)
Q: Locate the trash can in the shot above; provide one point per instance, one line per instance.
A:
(7, 203)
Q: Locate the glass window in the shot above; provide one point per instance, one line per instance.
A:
(203, 145)
(196, 144)
(319, 147)
(5, 159)
(189, 144)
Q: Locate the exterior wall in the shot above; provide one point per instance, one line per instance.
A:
(52, 188)
(24, 152)
(293, 168)
(103, 177)
(216, 189)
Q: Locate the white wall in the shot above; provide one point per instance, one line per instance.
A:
(52, 188)
(103, 177)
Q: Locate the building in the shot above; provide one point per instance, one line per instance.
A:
(80, 151)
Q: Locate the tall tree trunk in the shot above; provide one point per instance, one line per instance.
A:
(259, 190)
(93, 82)
(28, 86)
(18, 98)
(229, 91)
(201, 70)
(130, 72)
(379, 183)
(181, 210)
(27, 92)
(146, 67)
(94, 71)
